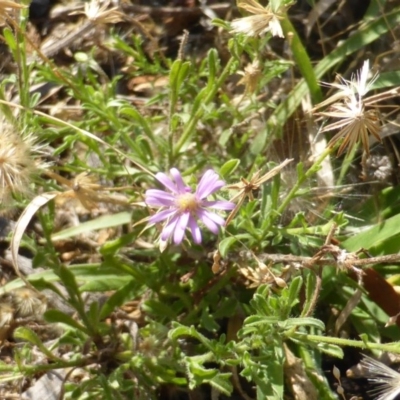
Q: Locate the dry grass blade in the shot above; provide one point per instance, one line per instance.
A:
(347, 310)
(21, 225)
(6, 7)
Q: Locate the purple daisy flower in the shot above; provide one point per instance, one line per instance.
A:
(181, 208)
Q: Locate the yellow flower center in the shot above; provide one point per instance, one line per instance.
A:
(186, 202)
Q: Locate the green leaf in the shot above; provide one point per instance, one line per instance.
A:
(69, 281)
(93, 314)
(31, 337)
(158, 308)
(225, 245)
(226, 308)
(103, 222)
(131, 112)
(213, 64)
(386, 80)
(56, 316)
(311, 284)
(229, 167)
(222, 383)
(117, 299)
(331, 349)
(258, 143)
(373, 237)
(178, 73)
(302, 59)
(112, 246)
(255, 320)
(294, 290)
(10, 40)
(179, 330)
(207, 320)
(105, 282)
(308, 321)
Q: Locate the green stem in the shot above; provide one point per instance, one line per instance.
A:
(197, 114)
(302, 60)
(23, 69)
(389, 347)
(32, 369)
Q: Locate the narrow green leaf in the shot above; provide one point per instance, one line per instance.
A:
(222, 383)
(158, 308)
(255, 320)
(117, 299)
(212, 67)
(374, 236)
(56, 316)
(331, 349)
(103, 222)
(229, 167)
(294, 290)
(302, 60)
(308, 321)
(69, 281)
(10, 39)
(225, 245)
(179, 330)
(31, 337)
(311, 282)
(136, 116)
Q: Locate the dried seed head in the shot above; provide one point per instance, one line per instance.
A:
(251, 76)
(97, 12)
(27, 303)
(263, 20)
(6, 315)
(386, 379)
(16, 163)
(348, 106)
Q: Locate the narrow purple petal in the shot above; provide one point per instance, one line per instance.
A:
(194, 228)
(213, 227)
(159, 198)
(161, 216)
(209, 222)
(182, 188)
(219, 205)
(169, 227)
(206, 216)
(180, 227)
(214, 217)
(209, 183)
(167, 182)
